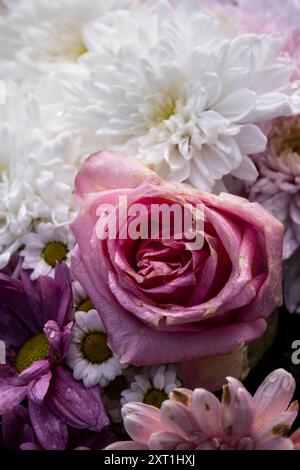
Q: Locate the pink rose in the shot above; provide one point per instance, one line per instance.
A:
(160, 300)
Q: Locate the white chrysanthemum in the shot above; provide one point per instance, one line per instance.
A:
(37, 169)
(152, 386)
(46, 246)
(89, 355)
(181, 89)
(39, 36)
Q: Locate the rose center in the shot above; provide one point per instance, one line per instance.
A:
(33, 350)
(55, 251)
(155, 397)
(94, 348)
(85, 306)
(113, 389)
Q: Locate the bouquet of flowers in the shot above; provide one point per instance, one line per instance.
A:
(149, 224)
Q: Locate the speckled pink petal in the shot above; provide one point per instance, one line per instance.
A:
(177, 418)
(208, 411)
(238, 411)
(273, 396)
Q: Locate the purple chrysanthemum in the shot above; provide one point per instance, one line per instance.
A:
(35, 326)
(17, 433)
(278, 185)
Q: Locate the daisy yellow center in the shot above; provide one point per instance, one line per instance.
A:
(55, 251)
(114, 388)
(155, 397)
(33, 350)
(85, 306)
(94, 348)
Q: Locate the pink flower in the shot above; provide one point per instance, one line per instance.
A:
(198, 421)
(160, 300)
(278, 185)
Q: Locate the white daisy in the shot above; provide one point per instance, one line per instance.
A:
(37, 168)
(82, 301)
(183, 89)
(111, 394)
(39, 36)
(152, 386)
(46, 246)
(89, 354)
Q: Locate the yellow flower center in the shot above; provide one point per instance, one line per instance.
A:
(70, 50)
(76, 51)
(94, 348)
(166, 112)
(155, 397)
(33, 350)
(113, 389)
(85, 306)
(55, 251)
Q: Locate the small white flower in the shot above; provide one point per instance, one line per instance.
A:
(152, 386)
(89, 355)
(111, 394)
(82, 301)
(182, 91)
(46, 246)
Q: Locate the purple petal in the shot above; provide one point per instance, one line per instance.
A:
(78, 406)
(59, 339)
(6, 371)
(42, 298)
(79, 439)
(13, 309)
(36, 370)
(12, 424)
(49, 299)
(50, 430)
(63, 281)
(27, 433)
(39, 389)
(30, 446)
(11, 394)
